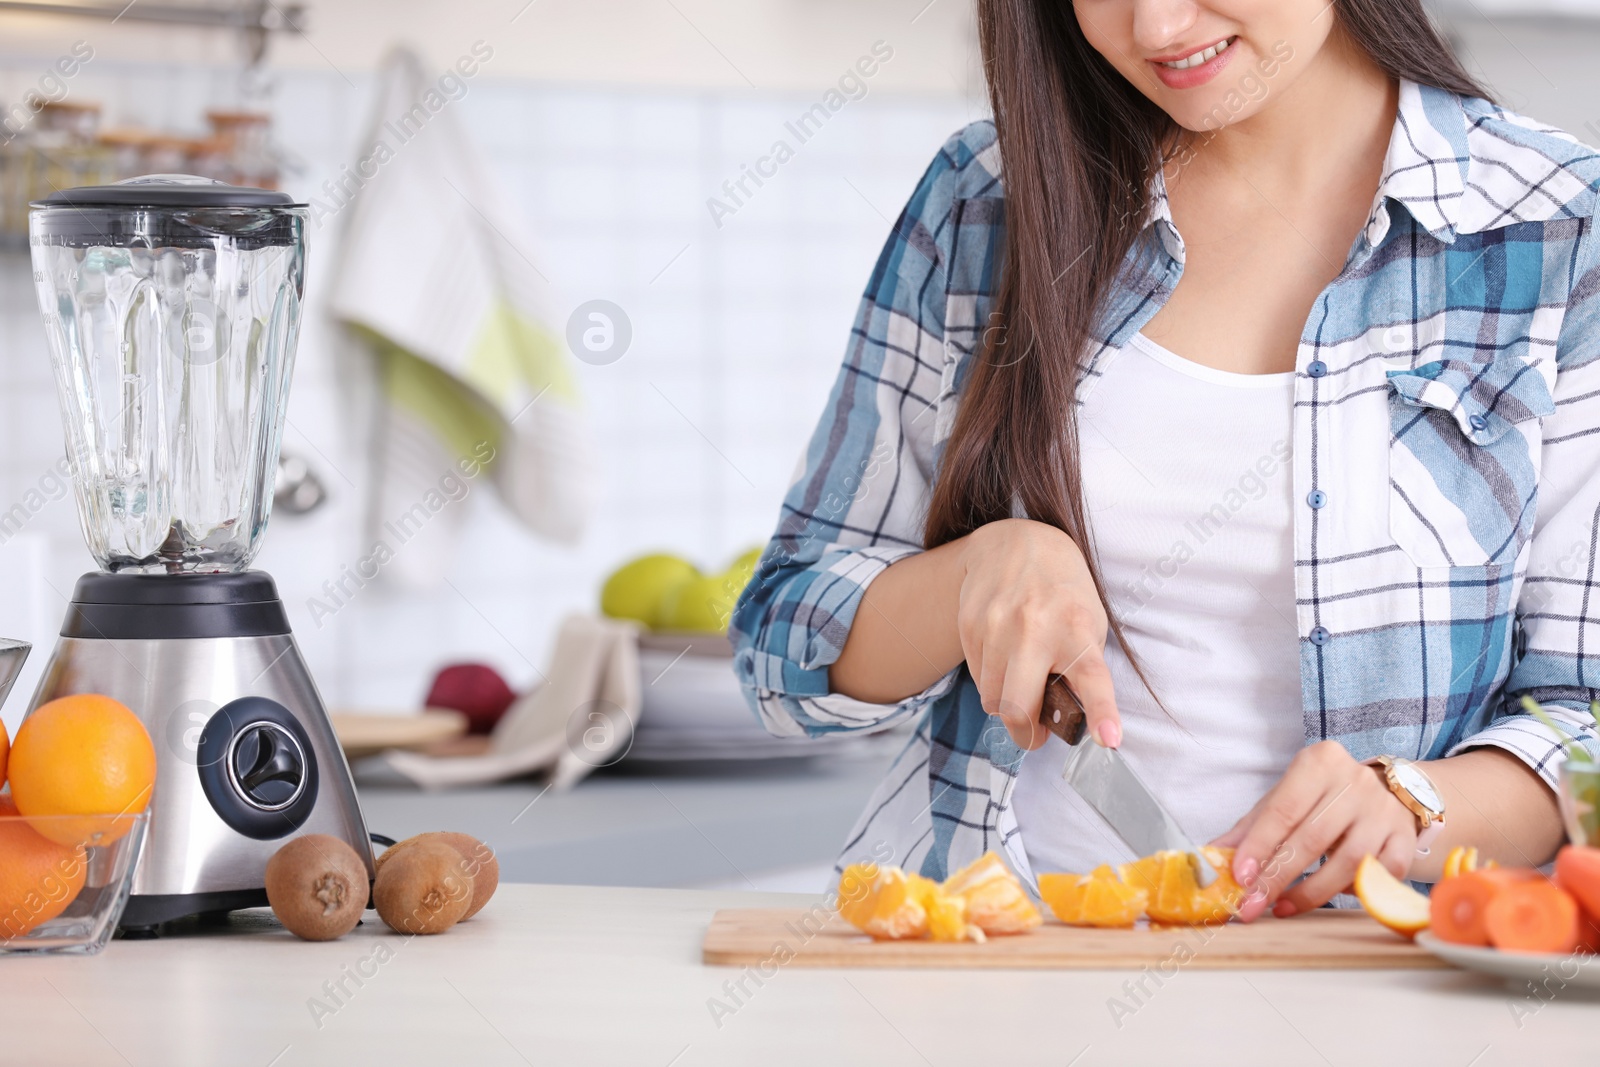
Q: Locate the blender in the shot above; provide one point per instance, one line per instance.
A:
(171, 306)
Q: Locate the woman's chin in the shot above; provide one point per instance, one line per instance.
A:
(1209, 116)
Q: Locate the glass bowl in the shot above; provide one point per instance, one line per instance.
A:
(1580, 801)
(64, 879)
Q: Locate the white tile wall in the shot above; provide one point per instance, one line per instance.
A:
(742, 332)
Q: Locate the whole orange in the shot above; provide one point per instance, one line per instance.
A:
(5, 751)
(82, 755)
(38, 877)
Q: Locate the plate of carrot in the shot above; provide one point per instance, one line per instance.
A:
(1519, 922)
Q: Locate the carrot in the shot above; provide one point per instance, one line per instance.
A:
(1533, 916)
(1588, 933)
(1578, 872)
(1457, 905)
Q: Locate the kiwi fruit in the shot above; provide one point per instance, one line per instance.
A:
(477, 857)
(424, 889)
(317, 887)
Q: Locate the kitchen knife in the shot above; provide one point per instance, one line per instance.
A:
(1103, 778)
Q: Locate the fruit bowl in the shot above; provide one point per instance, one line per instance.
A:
(64, 880)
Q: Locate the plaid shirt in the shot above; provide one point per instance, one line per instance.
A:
(1446, 409)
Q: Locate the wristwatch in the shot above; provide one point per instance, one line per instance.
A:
(1413, 788)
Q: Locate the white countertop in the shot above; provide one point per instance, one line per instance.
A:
(572, 975)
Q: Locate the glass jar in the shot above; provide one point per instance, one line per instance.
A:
(171, 307)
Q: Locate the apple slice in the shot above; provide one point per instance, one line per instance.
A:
(1389, 900)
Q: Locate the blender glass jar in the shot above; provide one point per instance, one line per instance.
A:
(171, 308)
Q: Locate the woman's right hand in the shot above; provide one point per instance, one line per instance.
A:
(1029, 609)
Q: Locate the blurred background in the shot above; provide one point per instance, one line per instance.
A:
(616, 134)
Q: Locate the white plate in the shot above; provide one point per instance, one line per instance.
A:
(1580, 970)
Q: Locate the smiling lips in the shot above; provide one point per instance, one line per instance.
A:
(1194, 68)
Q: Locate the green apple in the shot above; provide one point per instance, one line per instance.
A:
(744, 568)
(702, 605)
(639, 589)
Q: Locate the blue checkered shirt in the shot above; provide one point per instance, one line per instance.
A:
(1446, 403)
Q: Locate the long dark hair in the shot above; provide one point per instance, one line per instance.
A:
(1079, 146)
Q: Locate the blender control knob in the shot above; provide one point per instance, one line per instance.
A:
(268, 765)
(257, 768)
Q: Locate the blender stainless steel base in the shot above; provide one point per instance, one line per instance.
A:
(245, 755)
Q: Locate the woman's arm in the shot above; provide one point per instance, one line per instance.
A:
(904, 637)
(1015, 600)
(856, 505)
(1496, 803)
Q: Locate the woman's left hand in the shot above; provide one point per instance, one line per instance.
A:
(1326, 804)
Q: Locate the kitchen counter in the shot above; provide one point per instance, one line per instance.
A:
(572, 975)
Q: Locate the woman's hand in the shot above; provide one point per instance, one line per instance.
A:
(1029, 609)
(1326, 804)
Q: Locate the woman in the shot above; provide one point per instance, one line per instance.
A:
(1243, 371)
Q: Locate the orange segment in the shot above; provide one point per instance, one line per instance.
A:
(882, 901)
(996, 901)
(947, 913)
(1389, 900)
(1099, 898)
(82, 755)
(1462, 859)
(889, 903)
(1175, 894)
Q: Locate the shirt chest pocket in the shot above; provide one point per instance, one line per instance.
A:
(1464, 454)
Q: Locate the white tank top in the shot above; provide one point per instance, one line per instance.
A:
(1187, 478)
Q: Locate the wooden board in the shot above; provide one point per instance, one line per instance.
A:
(1326, 940)
(367, 733)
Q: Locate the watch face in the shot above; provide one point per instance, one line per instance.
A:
(1419, 786)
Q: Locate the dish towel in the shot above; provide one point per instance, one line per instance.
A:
(432, 280)
(582, 716)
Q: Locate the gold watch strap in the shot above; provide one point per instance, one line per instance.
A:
(1425, 815)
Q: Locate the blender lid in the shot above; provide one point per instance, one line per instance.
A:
(168, 191)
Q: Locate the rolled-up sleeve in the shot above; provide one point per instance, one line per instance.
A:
(1559, 607)
(859, 500)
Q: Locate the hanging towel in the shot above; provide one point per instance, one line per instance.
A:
(434, 282)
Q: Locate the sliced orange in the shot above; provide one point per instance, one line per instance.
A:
(1098, 898)
(892, 904)
(947, 913)
(879, 901)
(1389, 900)
(996, 901)
(1462, 859)
(1175, 894)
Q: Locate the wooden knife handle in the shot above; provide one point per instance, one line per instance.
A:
(1062, 714)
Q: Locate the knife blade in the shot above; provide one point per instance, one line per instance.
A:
(1102, 777)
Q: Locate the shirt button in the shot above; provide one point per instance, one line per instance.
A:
(1316, 368)
(1478, 422)
(1316, 498)
(1320, 636)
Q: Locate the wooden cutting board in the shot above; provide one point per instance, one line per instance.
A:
(1325, 940)
(363, 733)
